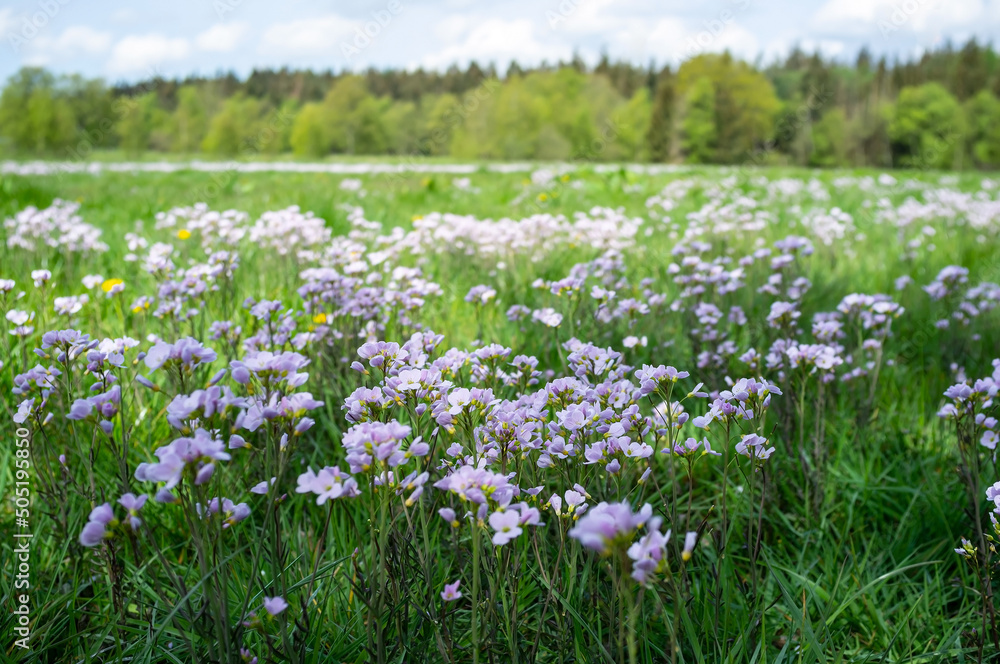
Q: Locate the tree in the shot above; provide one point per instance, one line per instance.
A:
(190, 120)
(660, 134)
(442, 120)
(745, 102)
(309, 137)
(698, 128)
(829, 140)
(237, 128)
(135, 124)
(926, 127)
(353, 118)
(633, 123)
(34, 114)
(982, 114)
(971, 71)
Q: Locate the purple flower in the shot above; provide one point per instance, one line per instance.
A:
(328, 484)
(370, 441)
(647, 553)
(689, 541)
(231, 512)
(186, 353)
(261, 487)
(451, 591)
(199, 452)
(754, 447)
(133, 505)
(480, 294)
(95, 531)
(606, 523)
(507, 525)
(449, 516)
(275, 605)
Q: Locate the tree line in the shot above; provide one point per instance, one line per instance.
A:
(940, 110)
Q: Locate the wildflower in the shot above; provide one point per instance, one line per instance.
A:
(197, 452)
(275, 605)
(507, 525)
(67, 306)
(231, 512)
(451, 591)
(689, 541)
(548, 317)
(967, 551)
(21, 321)
(183, 234)
(133, 505)
(449, 516)
(754, 447)
(101, 518)
(480, 294)
(186, 354)
(368, 442)
(40, 277)
(328, 484)
(647, 553)
(112, 286)
(261, 487)
(92, 281)
(607, 523)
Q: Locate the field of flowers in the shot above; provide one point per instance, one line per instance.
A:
(560, 415)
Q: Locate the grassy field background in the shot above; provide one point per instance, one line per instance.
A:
(870, 577)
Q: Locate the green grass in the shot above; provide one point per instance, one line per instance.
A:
(868, 577)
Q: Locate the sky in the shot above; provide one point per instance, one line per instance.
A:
(129, 41)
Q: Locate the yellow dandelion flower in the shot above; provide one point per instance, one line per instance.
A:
(319, 319)
(183, 234)
(543, 197)
(109, 284)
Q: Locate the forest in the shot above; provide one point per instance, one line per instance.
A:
(938, 111)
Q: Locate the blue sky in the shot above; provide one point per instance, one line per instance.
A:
(131, 40)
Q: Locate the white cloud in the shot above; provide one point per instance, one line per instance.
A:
(829, 48)
(864, 17)
(222, 37)
(73, 42)
(81, 39)
(135, 53)
(497, 40)
(737, 40)
(668, 39)
(7, 22)
(451, 28)
(125, 15)
(322, 34)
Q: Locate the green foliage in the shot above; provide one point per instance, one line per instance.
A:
(661, 125)
(309, 136)
(237, 128)
(804, 110)
(189, 120)
(982, 116)
(871, 578)
(353, 118)
(744, 101)
(829, 140)
(34, 114)
(698, 128)
(138, 119)
(926, 127)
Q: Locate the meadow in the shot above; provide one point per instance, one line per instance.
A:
(568, 414)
